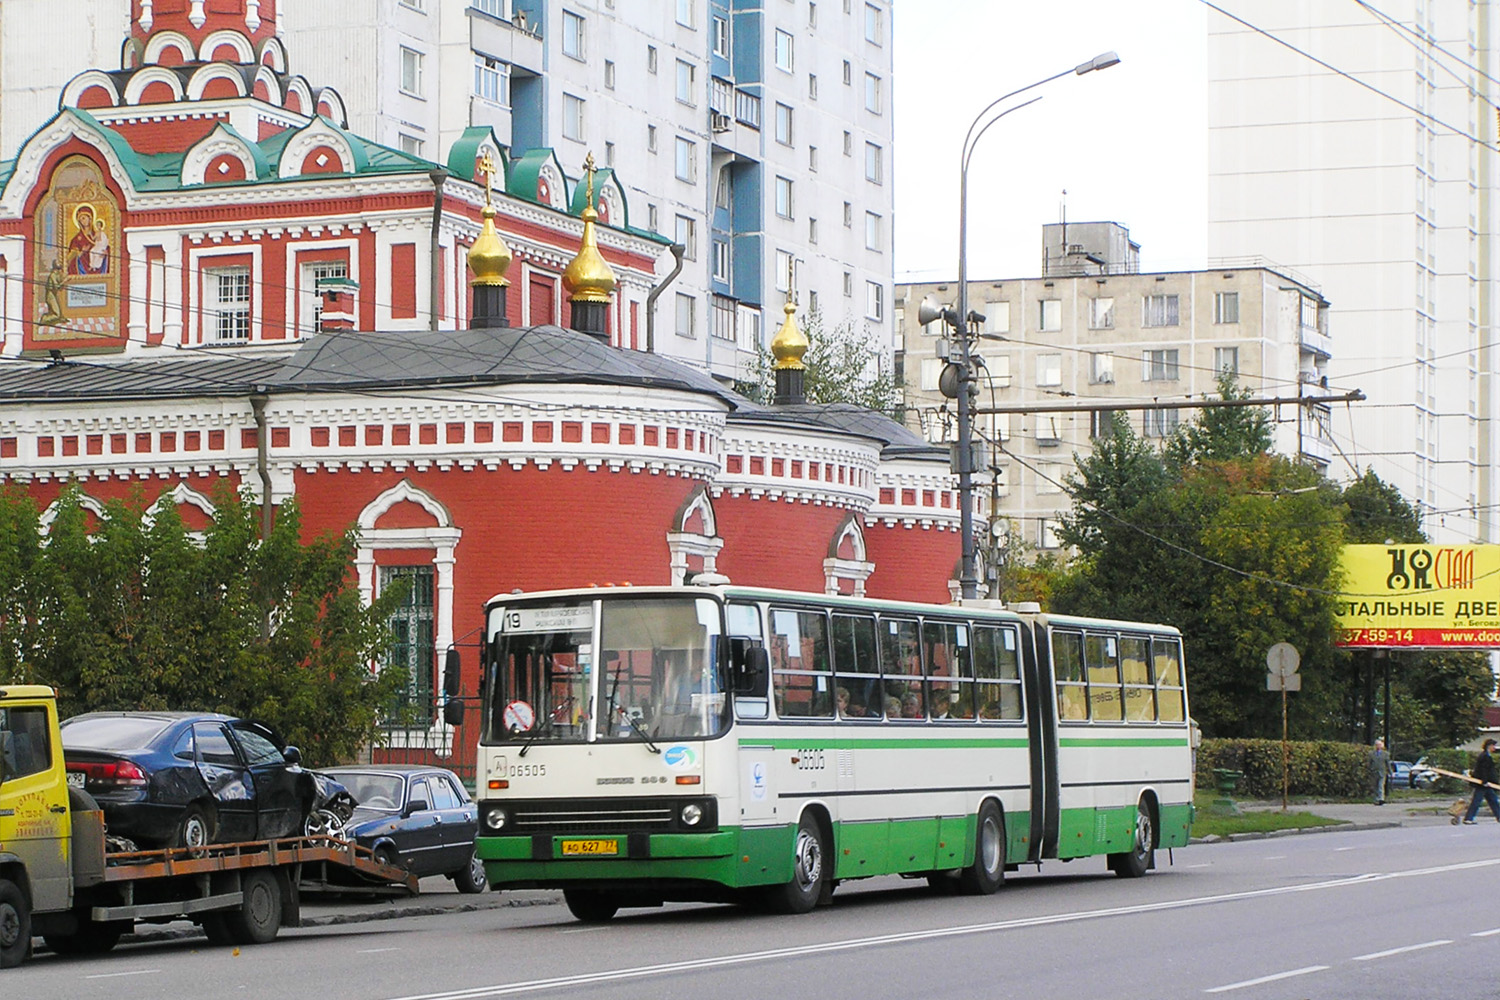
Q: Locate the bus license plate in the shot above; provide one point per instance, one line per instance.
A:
(76, 778)
(576, 848)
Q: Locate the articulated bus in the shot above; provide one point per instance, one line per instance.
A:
(641, 745)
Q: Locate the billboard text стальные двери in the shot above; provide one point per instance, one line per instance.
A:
(1420, 596)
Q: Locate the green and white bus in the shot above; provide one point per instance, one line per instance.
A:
(730, 743)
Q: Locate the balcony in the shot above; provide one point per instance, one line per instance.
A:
(734, 119)
(509, 41)
(1316, 342)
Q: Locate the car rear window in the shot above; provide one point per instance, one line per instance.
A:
(111, 732)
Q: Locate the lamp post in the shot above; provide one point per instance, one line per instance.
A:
(968, 575)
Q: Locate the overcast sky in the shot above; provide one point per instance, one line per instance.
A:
(1127, 143)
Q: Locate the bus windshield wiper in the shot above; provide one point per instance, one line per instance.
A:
(536, 734)
(640, 730)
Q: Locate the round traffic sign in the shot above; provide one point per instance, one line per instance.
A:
(1283, 659)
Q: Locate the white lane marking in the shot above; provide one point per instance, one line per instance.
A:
(586, 930)
(1267, 979)
(374, 951)
(1276, 857)
(1399, 951)
(1338, 850)
(1198, 866)
(115, 975)
(745, 958)
(1490, 933)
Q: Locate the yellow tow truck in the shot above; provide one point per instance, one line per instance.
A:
(58, 881)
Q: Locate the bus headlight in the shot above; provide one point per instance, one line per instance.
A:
(692, 813)
(495, 819)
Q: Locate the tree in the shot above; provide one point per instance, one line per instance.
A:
(1220, 433)
(131, 611)
(844, 365)
(1237, 547)
(1378, 513)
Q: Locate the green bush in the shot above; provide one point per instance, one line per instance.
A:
(1322, 769)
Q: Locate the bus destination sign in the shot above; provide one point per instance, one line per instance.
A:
(574, 618)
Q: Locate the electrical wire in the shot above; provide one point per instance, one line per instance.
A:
(1428, 116)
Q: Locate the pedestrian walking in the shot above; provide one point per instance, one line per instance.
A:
(1380, 771)
(1483, 771)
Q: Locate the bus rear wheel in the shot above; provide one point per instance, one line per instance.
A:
(801, 893)
(987, 873)
(590, 905)
(1141, 857)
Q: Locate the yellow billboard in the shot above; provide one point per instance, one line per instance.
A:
(1423, 595)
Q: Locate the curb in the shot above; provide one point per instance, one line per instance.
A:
(1234, 838)
(496, 902)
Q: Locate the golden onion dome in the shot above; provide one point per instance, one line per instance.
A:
(588, 277)
(489, 257)
(789, 344)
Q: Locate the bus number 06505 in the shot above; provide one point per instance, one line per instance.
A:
(809, 760)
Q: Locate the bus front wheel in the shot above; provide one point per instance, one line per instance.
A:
(590, 905)
(987, 873)
(1141, 857)
(801, 893)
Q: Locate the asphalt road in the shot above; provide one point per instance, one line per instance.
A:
(1406, 912)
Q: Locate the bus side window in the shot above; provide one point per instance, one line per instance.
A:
(1135, 665)
(900, 663)
(1067, 663)
(1169, 694)
(856, 666)
(800, 671)
(997, 673)
(1101, 655)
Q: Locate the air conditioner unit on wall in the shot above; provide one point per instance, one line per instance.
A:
(718, 121)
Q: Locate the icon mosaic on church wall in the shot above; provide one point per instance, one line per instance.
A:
(78, 256)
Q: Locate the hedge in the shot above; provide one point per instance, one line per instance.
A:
(1322, 768)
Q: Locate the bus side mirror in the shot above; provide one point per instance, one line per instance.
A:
(453, 708)
(751, 665)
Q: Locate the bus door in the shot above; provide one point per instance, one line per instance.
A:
(859, 700)
(1041, 729)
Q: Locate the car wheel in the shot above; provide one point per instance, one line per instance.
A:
(323, 823)
(385, 854)
(195, 830)
(15, 925)
(472, 878)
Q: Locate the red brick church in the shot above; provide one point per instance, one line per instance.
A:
(205, 277)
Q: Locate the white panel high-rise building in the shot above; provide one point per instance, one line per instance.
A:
(1386, 199)
(756, 133)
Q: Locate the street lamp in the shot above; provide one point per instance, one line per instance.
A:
(960, 319)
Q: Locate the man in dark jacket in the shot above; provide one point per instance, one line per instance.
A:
(1484, 771)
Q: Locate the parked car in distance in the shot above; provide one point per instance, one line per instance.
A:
(186, 779)
(1401, 774)
(1423, 776)
(418, 817)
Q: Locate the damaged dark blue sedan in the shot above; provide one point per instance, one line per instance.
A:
(180, 779)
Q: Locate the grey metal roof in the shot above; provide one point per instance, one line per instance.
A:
(360, 362)
(206, 373)
(896, 440)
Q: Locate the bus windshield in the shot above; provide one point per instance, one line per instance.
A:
(655, 674)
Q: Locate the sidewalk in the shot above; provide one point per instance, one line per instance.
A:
(1352, 816)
